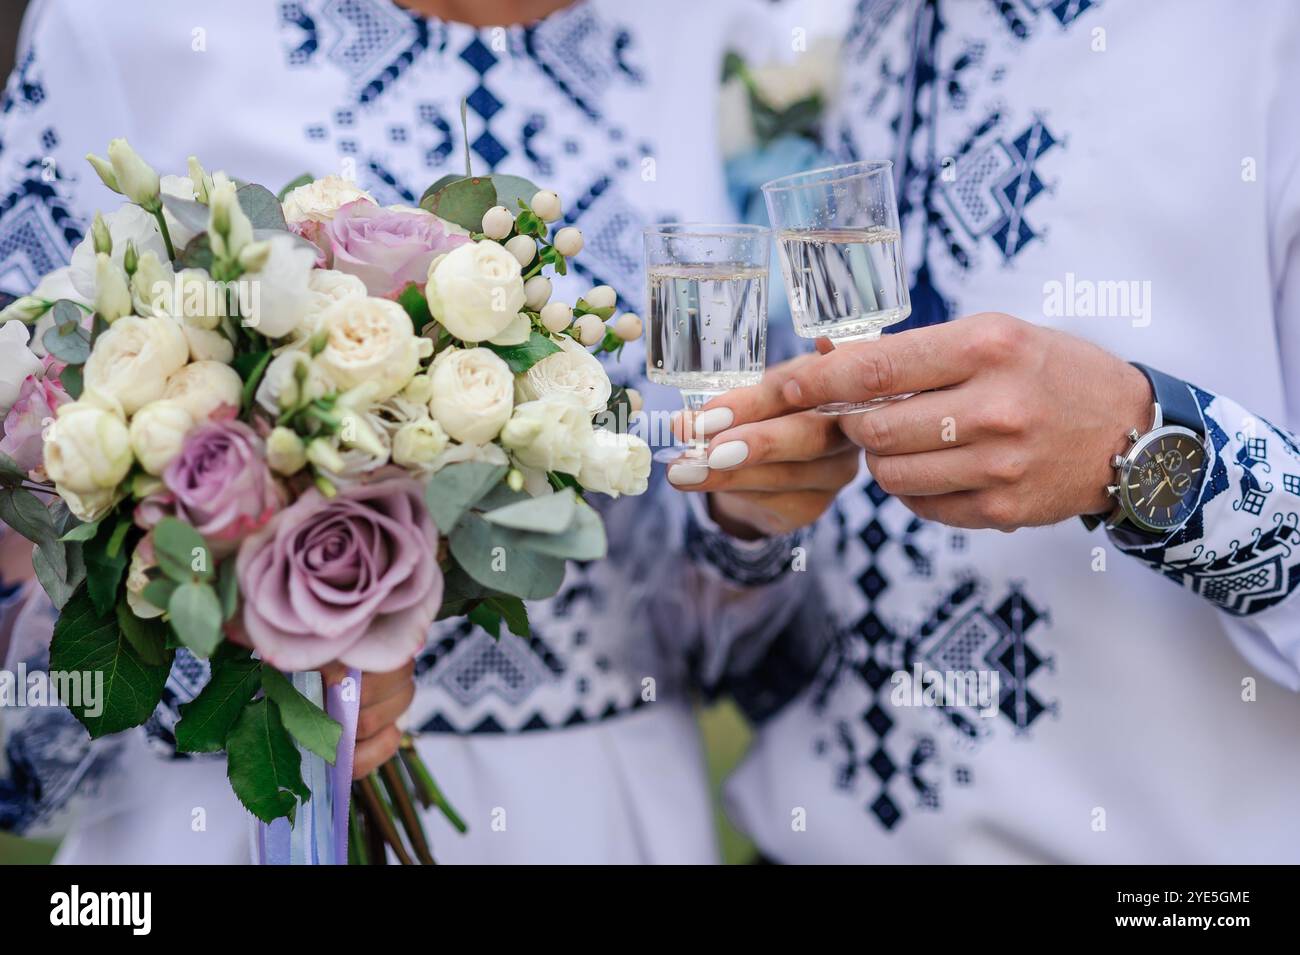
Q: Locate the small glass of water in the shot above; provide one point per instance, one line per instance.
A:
(841, 255)
(706, 324)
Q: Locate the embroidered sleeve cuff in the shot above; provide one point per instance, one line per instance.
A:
(747, 563)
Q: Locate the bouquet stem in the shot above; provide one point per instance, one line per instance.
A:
(379, 817)
(396, 784)
(426, 788)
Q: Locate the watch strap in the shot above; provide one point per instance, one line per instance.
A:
(1177, 403)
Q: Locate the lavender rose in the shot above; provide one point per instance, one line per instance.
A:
(386, 248)
(353, 578)
(219, 483)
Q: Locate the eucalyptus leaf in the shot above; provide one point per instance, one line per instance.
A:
(190, 213)
(23, 511)
(60, 569)
(82, 532)
(71, 379)
(585, 540)
(443, 181)
(197, 254)
(492, 557)
(513, 190)
(548, 514)
(195, 614)
(182, 552)
(463, 201)
(457, 488)
(159, 592)
(262, 207)
(264, 767)
(311, 726)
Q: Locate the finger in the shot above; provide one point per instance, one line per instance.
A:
(754, 403)
(971, 509)
(372, 719)
(374, 752)
(944, 472)
(806, 436)
(917, 360)
(376, 687)
(825, 474)
(930, 421)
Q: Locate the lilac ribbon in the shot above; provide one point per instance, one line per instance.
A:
(344, 707)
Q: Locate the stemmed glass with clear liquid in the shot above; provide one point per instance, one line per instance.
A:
(841, 255)
(706, 325)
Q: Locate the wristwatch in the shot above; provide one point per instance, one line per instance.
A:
(1158, 480)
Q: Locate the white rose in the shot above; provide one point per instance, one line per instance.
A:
(475, 291)
(202, 387)
(131, 361)
(208, 346)
(614, 463)
(87, 449)
(318, 201)
(549, 433)
(328, 287)
(157, 432)
(277, 298)
(473, 393)
(91, 506)
(370, 341)
(17, 363)
(129, 224)
(572, 370)
(417, 444)
(290, 379)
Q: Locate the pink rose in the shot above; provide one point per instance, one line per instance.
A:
(353, 578)
(39, 396)
(219, 483)
(385, 248)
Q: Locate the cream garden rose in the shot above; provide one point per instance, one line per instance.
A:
(473, 393)
(475, 291)
(371, 341)
(88, 448)
(132, 360)
(157, 432)
(549, 434)
(318, 201)
(203, 387)
(571, 371)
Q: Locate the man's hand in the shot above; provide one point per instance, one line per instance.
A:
(772, 468)
(384, 698)
(1015, 424)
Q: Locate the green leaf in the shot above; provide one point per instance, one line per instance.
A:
(512, 611)
(457, 487)
(179, 548)
(618, 411)
(442, 182)
(206, 720)
(23, 511)
(10, 473)
(522, 357)
(61, 569)
(417, 306)
(262, 207)
(548, 514)
(306, 179)
(148, 638)
(195, 614)
(251, 366)
(106, 563)
(460, 592)
(311, 726)
(71, 380)
(228, 588)
(492, 556)
(159, 592)
(82, 532)
(88, 641)
(463, 201)
(487, 619)
(264, 767)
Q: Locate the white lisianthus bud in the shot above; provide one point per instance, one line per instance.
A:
(417, 443)
(546, 205)
(322, 455)
(537, 292)
(202, 181)
(628, 326)
(590, 329)
(549, 433)
(602, 296)
(133, 359)
(476, 290)
(355, 431)
(104, 169)
(88, 448)
(557, 316)
(229, 228)
(419, 390)
(152, 286)
(136, 178)
(634, 400)
(157, 433)
(101, 236)
(473, 393)
(614, 463)
(26, 309)
(498, 222)
(285, 452)
(112, 289)
(253, 257)
(568, 241)
(204, 387)
(572, 370)
(291, 379)
(523, 248)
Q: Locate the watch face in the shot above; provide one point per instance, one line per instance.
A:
(1161, 478)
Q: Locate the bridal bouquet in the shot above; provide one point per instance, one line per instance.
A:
(288, 432)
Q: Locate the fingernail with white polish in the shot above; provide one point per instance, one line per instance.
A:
(713, 421)
(689, 473)
(728, 455)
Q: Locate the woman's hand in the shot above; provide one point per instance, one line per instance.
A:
(772, 467)
(1012, 425)
(384, 698)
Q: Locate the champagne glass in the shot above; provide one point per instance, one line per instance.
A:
(841, 255)
(706, 325)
